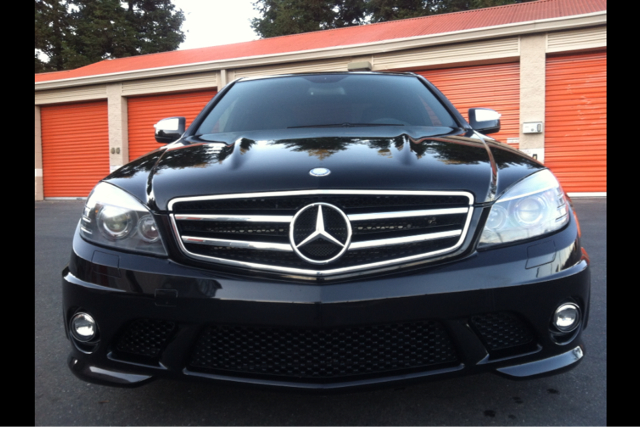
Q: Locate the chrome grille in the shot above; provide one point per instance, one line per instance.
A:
(387, 228)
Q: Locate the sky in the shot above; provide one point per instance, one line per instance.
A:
(216, 22)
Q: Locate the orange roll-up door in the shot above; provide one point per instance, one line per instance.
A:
(75, 148)
(146, 111)
(495, 86)
(576, 121)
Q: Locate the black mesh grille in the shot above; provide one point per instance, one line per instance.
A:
(396, 227)
(320, 249)
(235, 230)
(145, 337)
(367, 256)
(322, 353)
(500, 331)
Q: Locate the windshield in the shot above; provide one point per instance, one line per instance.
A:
(324, 101)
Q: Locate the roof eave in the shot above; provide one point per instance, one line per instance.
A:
(513, 29)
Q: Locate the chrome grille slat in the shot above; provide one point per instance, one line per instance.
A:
(237, 244)
(406, 214)
(236, 218)
(287, 248)
(378, 228)
(403, 240)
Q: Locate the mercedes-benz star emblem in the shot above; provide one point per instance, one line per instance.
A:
(319, 172)
(320, 233)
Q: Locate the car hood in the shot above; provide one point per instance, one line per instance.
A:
(383, 159)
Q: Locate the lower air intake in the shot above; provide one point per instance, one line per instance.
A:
(145, 337)
(501, 331)
(323, 353)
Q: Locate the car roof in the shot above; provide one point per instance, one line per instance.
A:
(320, 73)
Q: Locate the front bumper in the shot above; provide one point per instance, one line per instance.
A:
(488, 312)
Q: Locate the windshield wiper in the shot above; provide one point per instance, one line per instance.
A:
(345, 125)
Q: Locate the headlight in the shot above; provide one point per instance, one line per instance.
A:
(532, 207)
(114, 218)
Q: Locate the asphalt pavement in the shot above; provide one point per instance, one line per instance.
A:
(577, 397)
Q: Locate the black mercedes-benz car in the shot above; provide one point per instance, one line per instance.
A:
(326, 231)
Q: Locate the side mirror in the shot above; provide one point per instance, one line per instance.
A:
(170, 129)
(484, 120)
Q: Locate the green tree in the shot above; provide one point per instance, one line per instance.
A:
(389, 10)
(283, 17)
(157, 23)
(101, 30)
(74, 33)
(349, 12)
(52, 30)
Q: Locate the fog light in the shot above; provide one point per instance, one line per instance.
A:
(83, 327)
(567, 317)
